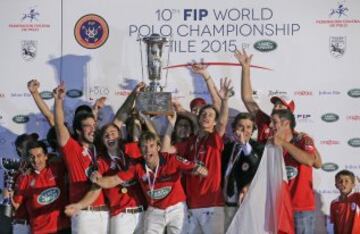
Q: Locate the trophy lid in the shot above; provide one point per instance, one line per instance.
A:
(155, 38)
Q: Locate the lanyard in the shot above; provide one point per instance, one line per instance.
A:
(151, 183)
(233, 159)
(91, 154)
(198, 143)
(114, 159)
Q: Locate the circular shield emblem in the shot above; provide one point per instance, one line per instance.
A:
(48, 196)
(291, 172)
(245, 166)
(91, 31)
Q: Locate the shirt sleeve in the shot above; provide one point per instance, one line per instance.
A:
(130, 174)
(182, 163)
(20, 189)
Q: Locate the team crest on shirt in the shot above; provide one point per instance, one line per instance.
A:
(291, 172)
(353, 206)
(159, 193)
(48, 196)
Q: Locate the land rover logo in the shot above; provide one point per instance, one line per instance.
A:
(265, 45)
(74, 93)
(48, 196)
(20, 119)
(160, 193)
(330, 117)
(354, 142)
(291, 172)
(329, 167)
(46, 95)
(354, 93)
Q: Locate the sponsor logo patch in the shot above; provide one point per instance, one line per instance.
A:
(74, 93)
(265, 45)
(354, 142)
(354, 93)
(329, 167)
(291, 172)
(48, 196)
(20, 119)
(330, 117)
(159, 193)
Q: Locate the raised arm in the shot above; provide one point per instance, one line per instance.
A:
(62, 132)
(98, 105)
(166, 141)
(180, 110)
(246, 89)
(201, 69)
(123, 112)
(107, 182)
(148, 122)
(33, 87)
(224, 93)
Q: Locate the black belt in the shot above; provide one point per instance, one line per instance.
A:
(96, 208)
(231, 204)
(134, 210)
(20, 221)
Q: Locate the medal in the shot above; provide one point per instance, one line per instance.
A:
(124, 190)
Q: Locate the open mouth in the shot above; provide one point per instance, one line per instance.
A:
(111, 143)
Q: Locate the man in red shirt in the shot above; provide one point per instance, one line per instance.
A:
(126, 202)
(345, 210)
(80, 159)
(159, 177)
(204, 195)
(262, 120)
(299, 156)
(43, 191)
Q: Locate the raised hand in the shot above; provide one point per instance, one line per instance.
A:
(199, 68)
(33, 86)
(59, 91)
(226, 89)
(243, 58)
(140, 87)
(99, 103)
(172, 118)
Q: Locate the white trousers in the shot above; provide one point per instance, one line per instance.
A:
(21, 229)
(90, 222)
(172, 219)
(127, 223)
(205, 220)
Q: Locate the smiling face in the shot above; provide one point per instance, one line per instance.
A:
(111, 137)
(87, 133)
(245, 126)
(150, 150)
(38, 158)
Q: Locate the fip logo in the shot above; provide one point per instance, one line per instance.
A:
(330, 117)
(195, 14)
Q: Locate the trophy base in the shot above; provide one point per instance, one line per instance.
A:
(154, 103)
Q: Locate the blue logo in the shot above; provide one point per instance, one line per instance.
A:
(20, 119)
(46, 95)
(31, 15)
(339, 11)
(74, 93)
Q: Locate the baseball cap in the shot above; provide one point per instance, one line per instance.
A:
(288, 103)
(197, 102)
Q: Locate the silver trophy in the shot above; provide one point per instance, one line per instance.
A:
(11, 168)
(153, 100)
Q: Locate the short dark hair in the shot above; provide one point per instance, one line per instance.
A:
(79, 118)
(208, 106)
(148, 136)
(83, 108)
(285, 114)
(243, 115)
(21, 143)
(35, 144)
(345, 173)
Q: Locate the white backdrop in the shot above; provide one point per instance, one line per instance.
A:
(304, 67)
